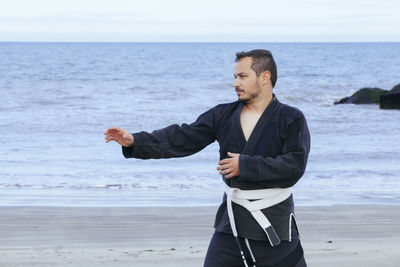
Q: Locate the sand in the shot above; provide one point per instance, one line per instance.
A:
(362, 235)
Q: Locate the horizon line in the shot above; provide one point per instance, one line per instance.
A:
(206, 42)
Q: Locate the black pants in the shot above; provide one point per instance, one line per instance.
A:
(223, 252)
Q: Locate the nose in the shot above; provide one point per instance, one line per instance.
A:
(236, 83)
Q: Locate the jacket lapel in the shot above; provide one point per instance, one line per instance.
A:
(259, 128)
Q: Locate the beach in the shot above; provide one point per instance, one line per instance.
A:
(341, 235)
(69, 199)
(72, 70)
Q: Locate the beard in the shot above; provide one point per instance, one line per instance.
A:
(243, 99)
(246, 97)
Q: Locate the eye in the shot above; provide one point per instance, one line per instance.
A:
(240, 76)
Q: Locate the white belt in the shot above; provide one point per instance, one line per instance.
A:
(262, 198)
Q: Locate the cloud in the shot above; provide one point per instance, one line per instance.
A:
(206, 20)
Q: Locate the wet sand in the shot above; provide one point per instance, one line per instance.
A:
(361, 235)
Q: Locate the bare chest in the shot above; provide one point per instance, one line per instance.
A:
(248, 121)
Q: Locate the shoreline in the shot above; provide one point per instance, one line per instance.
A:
(339, 235)
(24, 197)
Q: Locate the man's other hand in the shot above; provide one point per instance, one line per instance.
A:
(229, 166)
(119, 135)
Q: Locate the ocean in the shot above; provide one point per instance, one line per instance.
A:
(59, 98)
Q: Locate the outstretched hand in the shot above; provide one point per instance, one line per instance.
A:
(229, 166)
(119, 135)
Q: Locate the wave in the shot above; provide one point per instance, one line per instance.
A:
(122, 187)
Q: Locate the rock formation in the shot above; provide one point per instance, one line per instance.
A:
(363, 96)
(391, 99)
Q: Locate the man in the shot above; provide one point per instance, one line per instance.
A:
(264, 146)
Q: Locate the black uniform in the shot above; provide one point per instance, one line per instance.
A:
(274, 156)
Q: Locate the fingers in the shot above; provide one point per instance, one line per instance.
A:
(223, 166)
(224, 161)
(224, 169)
(229, 173)
(112, 130)
(233, 155)
(110, 138)
(229, 166)
(112, 134)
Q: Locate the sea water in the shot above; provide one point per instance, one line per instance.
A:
(57, 100)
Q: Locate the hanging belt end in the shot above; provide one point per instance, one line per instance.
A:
(272, 236)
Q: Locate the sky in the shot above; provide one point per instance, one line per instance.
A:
(200, 21)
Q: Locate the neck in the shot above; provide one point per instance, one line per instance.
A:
(259, 104)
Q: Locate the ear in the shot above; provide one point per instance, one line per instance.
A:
(266, 77)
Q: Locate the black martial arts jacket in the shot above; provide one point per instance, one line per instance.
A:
(275, 155)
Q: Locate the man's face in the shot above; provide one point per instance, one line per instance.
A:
(246, 83)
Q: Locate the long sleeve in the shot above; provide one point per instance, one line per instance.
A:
(174, 140)
(285, 169)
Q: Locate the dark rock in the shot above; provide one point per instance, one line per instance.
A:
(363, 96)
(395, 89)
(391, 99)
(342, 101)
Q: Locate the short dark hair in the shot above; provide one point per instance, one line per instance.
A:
(262, 60)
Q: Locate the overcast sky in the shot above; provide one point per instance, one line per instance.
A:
(202, 20)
